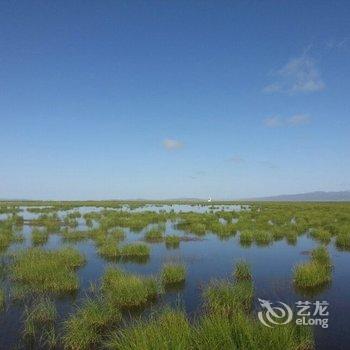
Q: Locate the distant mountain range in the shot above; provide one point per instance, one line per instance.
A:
(309, 196)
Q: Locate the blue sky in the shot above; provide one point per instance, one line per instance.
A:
(164, 99)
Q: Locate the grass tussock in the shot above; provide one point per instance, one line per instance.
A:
(343, 241)
(316, 272)
(246, 237)
(135, 250)
(169, 330)
(47, 271)
(242, 271)
(39, 237)
(154, 235)
(173, 273)
(241, 331)
(228, 297)
(172, 241)
(84, 329)
(41, 315)
(123, 290)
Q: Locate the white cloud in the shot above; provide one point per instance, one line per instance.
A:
(294, 120)
(171, 144)
(273, 122)
(298, 119)
(298, 75)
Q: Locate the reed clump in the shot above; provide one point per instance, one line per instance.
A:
(84, 329)
(242, 271)
(125, 290)
(316, 272)
(47, 270)
(173, 273)
(41, 315)
(39, 237)
(172, 241)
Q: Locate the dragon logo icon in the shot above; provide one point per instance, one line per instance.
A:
(274, 315)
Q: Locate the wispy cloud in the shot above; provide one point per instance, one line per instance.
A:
(298, 119)
(273, 122)
(236, 159)
(171, 144)
(337, 44)
(298, 75)
(294, 120)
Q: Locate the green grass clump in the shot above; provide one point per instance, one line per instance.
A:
(241, 331)
(172, 241)
(263, 237)
(320, 255)
(84, 329)
(135, 250)
(47, 271)
(228, 297)
(343, 241)
(321, 235)
(173, 273)
(127, 290)
(73, 236)
(117, 234)
(316, 272)
(154, 235)
(242, 271)
(246, 237)
(39, 237)
(2, 299)
(291, 237)
(109, 248)
(167, 331)
(40, 315)
(311, 274)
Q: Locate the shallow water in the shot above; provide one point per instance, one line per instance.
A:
(206, 259)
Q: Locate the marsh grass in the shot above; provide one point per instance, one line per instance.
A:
(173, 273)
(154, 235)
(73, 236)
(135, 250)
(228, 297)
(84, 329)
(8, 235)
(320, 255)
(291, 237)
(246, 238)
(108, 248)
(263, 238)
(171, 330)
(38, 316)
(39, 237)
(316, 272)
(241, 331)
(172, 241)
(2, 299)
(321, 235)
(168, 331)
(127, 290)
(343, 241)
(47, 271)
(242, 271)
